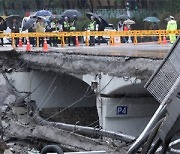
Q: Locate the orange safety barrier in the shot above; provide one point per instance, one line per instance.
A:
(136, 34)
(160, 39)
(62, 41)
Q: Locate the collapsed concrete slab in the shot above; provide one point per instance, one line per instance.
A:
(89, 64)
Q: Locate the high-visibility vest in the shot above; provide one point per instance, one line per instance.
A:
(66, 25)
(172, 25)
(72, 26)
(54, 26)
(92, 25)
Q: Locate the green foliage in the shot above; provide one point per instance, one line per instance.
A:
(82, 23)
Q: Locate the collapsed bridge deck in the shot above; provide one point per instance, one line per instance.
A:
(128, 59)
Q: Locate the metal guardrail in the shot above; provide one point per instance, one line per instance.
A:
(111, 34)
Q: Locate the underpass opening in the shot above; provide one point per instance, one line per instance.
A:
(60, 97)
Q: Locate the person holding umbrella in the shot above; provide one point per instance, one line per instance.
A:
(92, 27)
(54, 28)
(155, 27)
(15, 29)
(40, 29)
(73, 28)
(66, 28)
(32, 39)
(172, 25)
(2, 27)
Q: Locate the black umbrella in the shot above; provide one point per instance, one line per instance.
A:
(71, 13)
(9, 20)
(103, 21)
(123, 16)
(43, 13)
(96, 17)
(26, 24)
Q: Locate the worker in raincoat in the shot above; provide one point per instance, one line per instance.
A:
(72, 27)
(172, 25)
(92, 27)
(40, 28)
(66, 28)
(55, 29)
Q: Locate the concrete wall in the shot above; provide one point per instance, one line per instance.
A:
(122, 93)
(112, 85)
(137, 113)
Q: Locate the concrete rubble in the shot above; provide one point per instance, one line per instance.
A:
(21, 133)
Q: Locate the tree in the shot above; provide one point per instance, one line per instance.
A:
(109, 5)
(99, 2)
(92, 5)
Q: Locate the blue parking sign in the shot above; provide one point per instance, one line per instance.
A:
(121, 110)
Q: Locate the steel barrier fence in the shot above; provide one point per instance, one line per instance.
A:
(111, 34)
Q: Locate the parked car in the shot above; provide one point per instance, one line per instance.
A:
(109, 28)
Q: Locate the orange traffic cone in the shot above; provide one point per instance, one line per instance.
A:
(77, 42)
(28, 46)
(20, 42)
(45, 46)
(164, 40)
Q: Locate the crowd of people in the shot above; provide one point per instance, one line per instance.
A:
(53, 25)
(171, 25)
(69, 25)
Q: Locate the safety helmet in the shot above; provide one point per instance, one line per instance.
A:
(92, 17)
(66, 17)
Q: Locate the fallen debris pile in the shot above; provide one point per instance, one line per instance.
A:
(23, 130)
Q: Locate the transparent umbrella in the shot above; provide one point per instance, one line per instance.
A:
(129, 22)
(26, 24)
(43, 13)
(151, 19)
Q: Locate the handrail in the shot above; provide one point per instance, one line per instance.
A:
(110, 34)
